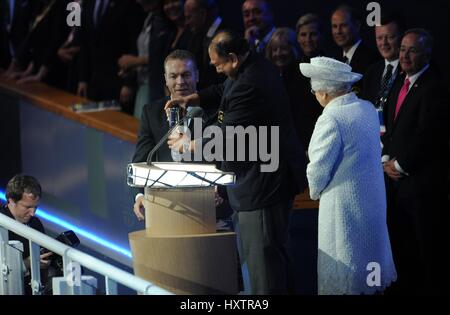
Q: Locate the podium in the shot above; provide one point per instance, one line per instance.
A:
(180, 249)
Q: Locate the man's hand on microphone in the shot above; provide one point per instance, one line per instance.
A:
(177, 142)
(184, 102)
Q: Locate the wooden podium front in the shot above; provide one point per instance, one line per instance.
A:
(180, 249)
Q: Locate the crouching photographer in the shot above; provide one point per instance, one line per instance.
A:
(23, 194)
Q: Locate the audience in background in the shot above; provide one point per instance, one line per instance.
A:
(109, 30)
(52, 70)
(33, 54)
(204, 21)
(16, 18)
(137, 69)
(67, 43)
(180, 36)
(346, 26)
(258, 23)
(284, 52)
(380, 76)
(309, 36)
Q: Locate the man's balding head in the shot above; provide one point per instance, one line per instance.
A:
(227, 51)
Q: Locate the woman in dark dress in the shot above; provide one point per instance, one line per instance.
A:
(284, 51)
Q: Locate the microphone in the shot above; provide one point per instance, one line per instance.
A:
(195, 112)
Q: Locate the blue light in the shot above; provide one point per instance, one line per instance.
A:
(88, 235)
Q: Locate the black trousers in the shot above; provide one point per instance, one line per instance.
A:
(418, 239)
(263, 236)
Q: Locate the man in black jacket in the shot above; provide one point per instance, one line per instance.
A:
(204, 21)
(181, 76)
(15, 21)
(258, 21)
(345, 26)
(380, 77)
(254, 96)
(415, 159)
(23, 193)
(109, 29)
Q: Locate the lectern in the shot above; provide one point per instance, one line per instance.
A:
(180, 249)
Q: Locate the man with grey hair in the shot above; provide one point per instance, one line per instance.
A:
(415, 160)
(344, 161)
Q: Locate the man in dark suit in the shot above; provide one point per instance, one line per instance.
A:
(109, 30)
(15, 21)
(415, 160)
(181, 75)
(258, 22)
(23, 194)
(254, 95)
(345, 26)
(204, 21)
(29, 53)
(41, 46)
(381, 75)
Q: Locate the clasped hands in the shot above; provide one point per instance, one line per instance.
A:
(391, 170)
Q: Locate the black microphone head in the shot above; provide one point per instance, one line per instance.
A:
(195, 112)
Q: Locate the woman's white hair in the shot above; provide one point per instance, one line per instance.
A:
(330, 87)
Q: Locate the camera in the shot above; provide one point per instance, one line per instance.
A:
(68, 238)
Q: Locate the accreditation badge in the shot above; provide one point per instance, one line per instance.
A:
(381, 118)
(220, 117)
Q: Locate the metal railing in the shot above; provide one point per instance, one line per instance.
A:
(113, 275)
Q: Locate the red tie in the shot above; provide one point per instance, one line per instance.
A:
(402, 96)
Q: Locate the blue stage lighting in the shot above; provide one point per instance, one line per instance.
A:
(79, 231)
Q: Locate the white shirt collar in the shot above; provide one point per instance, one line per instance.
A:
(213, 29)
(394, 65)
(413, 79)
(349, 54)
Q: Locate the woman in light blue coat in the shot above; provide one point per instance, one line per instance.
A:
(346, 174)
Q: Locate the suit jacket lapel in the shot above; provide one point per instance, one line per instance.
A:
(355, 58)
(378, 78)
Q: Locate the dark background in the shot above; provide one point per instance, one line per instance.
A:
(434, 15)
